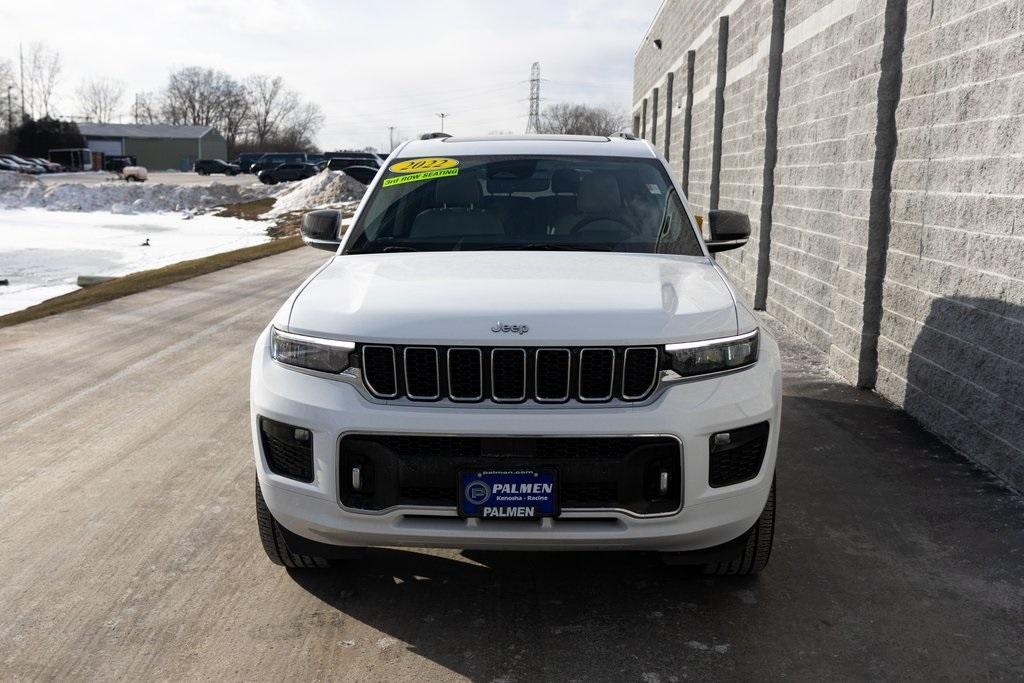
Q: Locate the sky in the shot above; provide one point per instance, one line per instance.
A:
(368, 64)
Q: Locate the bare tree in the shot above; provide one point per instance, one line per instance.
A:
(8, 105)
(100, 99)
(270, 102)
(301, 126)
(195, 96)
(43, 66)
(580, 119)
(146, 109)
(235, 114)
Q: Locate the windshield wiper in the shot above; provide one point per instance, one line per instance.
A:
(550, 246)
(383, 250)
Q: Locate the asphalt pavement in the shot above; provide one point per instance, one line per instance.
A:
(129, 549)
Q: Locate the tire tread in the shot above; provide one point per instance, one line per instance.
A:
(758, 548)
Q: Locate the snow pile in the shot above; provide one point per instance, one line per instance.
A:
(327, 189)
(18, 192)
(42, 253)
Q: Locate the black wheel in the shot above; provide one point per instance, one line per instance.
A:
(274, 542)
(202, 172)
(757, 548)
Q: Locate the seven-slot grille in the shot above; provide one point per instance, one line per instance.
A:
(510, 374)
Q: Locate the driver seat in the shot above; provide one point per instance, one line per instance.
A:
(599, 196)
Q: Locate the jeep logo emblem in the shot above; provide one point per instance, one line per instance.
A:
(505, 328)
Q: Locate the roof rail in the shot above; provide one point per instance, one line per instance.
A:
(434, 136)
(624, 136)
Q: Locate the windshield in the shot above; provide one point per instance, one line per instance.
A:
(539, 202)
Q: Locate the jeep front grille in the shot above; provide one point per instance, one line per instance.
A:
(510, 374)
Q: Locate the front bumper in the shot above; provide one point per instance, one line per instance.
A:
(690, 412)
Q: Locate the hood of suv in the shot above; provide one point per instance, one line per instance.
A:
(564, 298)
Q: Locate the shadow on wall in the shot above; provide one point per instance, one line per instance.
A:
(965, 380)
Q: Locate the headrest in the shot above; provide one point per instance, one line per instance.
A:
(501, 185)
(510, 185)
(565, 181)
(599, 193)
(451, 192)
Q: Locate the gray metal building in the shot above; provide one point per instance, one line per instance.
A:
(876, 146)
(156, 146)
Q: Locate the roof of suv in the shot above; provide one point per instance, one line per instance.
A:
(559, 145)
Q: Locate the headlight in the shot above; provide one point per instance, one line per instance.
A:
(713, 355)
(311, 353)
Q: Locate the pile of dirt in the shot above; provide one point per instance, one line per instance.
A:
(19, 191)
(328, 189)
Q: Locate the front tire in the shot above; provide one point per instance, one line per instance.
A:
(757, 548)
(274, 542)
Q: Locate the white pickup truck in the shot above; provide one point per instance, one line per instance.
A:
(520, 343)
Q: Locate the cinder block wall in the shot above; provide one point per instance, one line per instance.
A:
(896, 235)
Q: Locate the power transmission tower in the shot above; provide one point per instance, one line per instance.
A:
(443, 116)
(533, 120)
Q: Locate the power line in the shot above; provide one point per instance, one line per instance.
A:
(533, 119)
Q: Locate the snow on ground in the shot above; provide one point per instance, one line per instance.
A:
(326, 189)
(21, 191)
(43, 252)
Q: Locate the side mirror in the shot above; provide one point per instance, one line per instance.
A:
(729, 230)
(321, 229)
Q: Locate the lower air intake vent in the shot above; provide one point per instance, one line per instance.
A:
(736, 455)
(288, 449)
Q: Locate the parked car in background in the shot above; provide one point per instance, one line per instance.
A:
(9, 166)
(115, 163)
(367, 158)
(246, 160)
(286, 172)
(48, 165)
(362, 174)
(342, 163)
(275, 159)
(23, 165)
(209, 166)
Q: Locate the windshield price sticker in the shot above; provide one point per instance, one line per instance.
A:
(425, 164)
(423, 175)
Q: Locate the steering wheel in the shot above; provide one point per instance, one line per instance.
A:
(587, 220)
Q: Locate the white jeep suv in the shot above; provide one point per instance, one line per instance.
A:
(520, 343)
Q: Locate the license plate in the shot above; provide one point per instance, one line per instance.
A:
(508, 493)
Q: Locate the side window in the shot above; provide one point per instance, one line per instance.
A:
(676, 236)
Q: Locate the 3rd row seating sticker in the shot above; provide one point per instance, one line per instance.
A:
(422, 175)
(424, 164)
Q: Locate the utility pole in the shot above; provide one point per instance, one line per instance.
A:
(136, 109)
(10, 112)
(391, 138)
(533, 119)
(443, 116)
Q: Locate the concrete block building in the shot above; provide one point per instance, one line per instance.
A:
(157, 146)
(878, 148)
